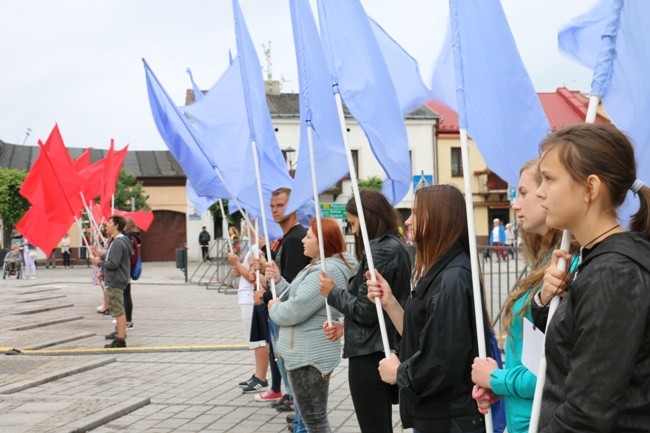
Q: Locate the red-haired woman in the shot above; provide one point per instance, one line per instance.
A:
(300, 312)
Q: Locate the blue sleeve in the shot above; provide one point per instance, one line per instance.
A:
(518, 382)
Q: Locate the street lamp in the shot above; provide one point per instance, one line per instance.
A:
(27, 133)
(288, 153)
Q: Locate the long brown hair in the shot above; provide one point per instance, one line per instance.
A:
(440, 222)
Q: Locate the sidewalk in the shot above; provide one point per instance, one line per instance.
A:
(179, 372)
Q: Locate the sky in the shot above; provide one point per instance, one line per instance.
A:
(78, 63)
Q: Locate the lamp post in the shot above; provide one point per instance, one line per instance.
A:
(288, 153)
(27, 134)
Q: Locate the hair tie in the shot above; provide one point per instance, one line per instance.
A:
(636, 186)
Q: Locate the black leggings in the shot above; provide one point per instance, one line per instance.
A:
(128, 302)
(371, 397)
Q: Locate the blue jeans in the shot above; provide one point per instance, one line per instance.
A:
(310, 391)
(298, 425)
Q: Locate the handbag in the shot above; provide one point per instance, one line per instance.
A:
(136, 270)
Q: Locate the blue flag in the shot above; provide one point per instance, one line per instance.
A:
(177, 135)
(404, 71)
(273, 169)
(495, 99)
(359, 70)
(200, 203)
(317, 110)
(614, 40)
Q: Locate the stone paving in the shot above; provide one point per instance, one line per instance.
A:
(179, 373)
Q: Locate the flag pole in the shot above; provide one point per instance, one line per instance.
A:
(362, 220)
(258, 178)
(319, 226)
(565, 244)
(223, 216)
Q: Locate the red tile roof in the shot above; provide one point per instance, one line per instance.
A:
(562, 107)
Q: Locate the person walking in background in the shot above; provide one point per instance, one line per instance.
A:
(28, 259)
(598, 343)
(308, 355)
(363, 346)
(511, 240)
(497, 239)
(515, 383)
(439, 341)
(65, 251)
(204, 241)
(116, 264)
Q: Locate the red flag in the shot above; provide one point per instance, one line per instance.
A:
(83, 161)
(91, 179)
(34, 225)
(143, 219)
(61, 185)
(112, 167)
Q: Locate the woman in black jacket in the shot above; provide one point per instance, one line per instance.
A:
(439, 344)
(598, 341)
(371, 397)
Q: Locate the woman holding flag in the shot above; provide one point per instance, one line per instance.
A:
(598, 341)
(308, 356)
(439, 342)
(363, 345)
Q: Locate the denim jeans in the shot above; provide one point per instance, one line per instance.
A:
(298, 425)
(310, 390)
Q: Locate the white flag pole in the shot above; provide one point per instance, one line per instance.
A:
(473, 255)
(319, 226)
(223, 217)
(362, 221)
(592, 110)
(256, 163)
(256, 254)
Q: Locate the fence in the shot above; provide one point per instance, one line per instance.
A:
(501, 269)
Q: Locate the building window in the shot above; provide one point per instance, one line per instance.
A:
(456, 162)
(355, 162)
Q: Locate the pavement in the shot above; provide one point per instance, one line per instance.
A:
(185, 356)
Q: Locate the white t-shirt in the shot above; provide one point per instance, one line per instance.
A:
(495, 234)
(246, 288)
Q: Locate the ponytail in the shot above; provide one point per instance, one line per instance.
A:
(641, 220)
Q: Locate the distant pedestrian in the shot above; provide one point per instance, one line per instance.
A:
(510, 240)
(65, 251)
(204, 241)
(497, 239)
(29, 254)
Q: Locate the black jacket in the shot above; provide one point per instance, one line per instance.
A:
(204, 238)
(362, 335)
(438, 347)
(598, 343)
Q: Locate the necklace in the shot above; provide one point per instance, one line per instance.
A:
(602, 234)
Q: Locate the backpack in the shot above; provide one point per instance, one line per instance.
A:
(136, 261)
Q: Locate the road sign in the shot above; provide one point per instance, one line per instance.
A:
(420, 180)
(333, 210)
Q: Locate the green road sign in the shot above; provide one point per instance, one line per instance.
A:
(333, 210)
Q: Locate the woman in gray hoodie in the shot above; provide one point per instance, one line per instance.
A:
(308, 356)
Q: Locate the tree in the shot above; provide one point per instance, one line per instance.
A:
(12, 205)
(373, 182)
(128, 187)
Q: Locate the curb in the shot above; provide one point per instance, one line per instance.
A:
(105, 416)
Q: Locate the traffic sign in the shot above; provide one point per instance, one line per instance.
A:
(333, 210)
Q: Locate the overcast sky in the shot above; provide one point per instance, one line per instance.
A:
(78, 62)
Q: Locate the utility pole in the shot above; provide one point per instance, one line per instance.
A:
(27, 134)
(269, 64)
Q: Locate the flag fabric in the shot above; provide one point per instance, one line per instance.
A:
(404, 71)
(273, 169)
(92, 179)
(143, 219)
(613, 39)
(200, 203)
(177, 134)
(83, 160)
(317, 110)
(112, 166)
(495, 99)
(360, 72)
(198, 94)
(42, 232)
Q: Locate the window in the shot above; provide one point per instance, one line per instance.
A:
(456, 162)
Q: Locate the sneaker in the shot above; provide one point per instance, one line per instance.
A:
(291, 418)
(256, 385)
(286, 407)
(111, 336)
(277, 403)
(129, 325)
(116, 343)
(268, 395)
(245, 383)
(290, 427)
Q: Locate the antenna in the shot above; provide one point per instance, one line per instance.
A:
(269, 64)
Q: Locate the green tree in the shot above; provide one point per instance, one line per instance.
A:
(12, 205)
(127, 188)
(373, 182)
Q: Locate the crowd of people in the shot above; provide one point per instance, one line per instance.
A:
(597, 345)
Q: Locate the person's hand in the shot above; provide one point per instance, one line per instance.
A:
(388, 369)
(95, 260)
(326, 284)
(257, 296)
(233, 259)
(379, 289)
(482, 369)
(272, 302)
(272, 272)
(484, 398)
(555, 280)
(334, 332)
